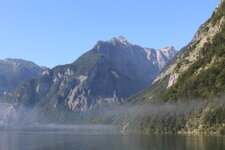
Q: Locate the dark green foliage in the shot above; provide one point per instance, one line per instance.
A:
(209, 82)
(161, 124)
(215, 117)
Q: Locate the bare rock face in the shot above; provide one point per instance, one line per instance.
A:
(162, 56)
(109, 73)
(13, 71)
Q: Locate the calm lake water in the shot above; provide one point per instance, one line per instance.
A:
(71, 141)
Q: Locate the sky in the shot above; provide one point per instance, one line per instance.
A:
(55, 32)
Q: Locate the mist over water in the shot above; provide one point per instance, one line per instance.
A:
(160, 109)
(29, 135)
(106, 119)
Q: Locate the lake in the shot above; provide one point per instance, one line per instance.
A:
(71, 141)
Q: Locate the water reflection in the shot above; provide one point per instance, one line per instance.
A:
(69, 141)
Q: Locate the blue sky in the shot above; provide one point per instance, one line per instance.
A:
(53, 32)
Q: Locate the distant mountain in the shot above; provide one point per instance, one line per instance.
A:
(110, 72)
(14, 71)
(160, 57)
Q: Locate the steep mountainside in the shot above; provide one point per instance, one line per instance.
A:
(14, 71)
(110, 72)
(197, 70)
(197, 73)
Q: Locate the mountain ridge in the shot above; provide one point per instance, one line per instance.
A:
(14, 71)
(108, 73)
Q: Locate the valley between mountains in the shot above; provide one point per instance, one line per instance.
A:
(119, 83)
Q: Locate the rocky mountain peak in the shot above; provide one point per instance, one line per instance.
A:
(110, 72)
(168, 48)
(168, 51)
(161, 56)
(121, 40)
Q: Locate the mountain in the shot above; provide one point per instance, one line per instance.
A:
(14, 71)
(160, 57)
(197, 70)
(110, 72)
(196, 75)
